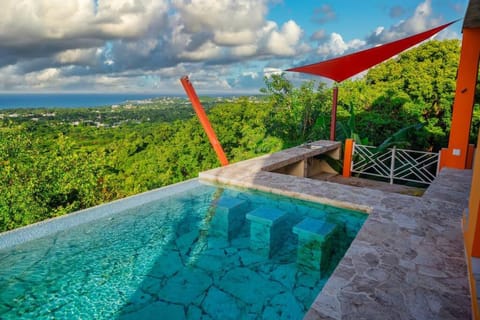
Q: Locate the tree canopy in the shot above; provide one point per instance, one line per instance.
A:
(58, 162)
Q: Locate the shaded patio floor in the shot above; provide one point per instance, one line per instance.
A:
(370, 184)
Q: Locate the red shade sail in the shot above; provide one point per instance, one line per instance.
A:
(344, 67)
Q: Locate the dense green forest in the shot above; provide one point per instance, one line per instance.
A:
(57, 161)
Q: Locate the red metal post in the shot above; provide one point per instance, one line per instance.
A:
(333, 122)
(202, 116)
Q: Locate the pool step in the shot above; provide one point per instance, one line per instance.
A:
(229, 217)
(268, 228)
(316, 241)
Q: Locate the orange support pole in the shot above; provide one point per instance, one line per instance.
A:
(347, 158)
(457, 152)
(202, 116)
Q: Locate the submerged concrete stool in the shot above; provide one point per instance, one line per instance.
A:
(267, 230)
(229, 217)
(316, 239)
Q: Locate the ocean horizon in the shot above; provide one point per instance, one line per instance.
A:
(70, 100)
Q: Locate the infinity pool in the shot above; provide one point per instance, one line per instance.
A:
(165, 259)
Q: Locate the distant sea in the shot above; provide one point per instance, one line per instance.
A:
(68, 100)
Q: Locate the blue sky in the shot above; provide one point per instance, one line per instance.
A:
(355, 19)
(225, 46)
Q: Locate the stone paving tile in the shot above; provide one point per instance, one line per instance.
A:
(407, 261)
(453, 186)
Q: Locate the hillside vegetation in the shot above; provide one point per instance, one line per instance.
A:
(54, 164)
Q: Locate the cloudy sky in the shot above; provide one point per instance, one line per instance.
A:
(223, 45)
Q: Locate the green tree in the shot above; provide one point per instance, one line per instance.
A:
(417, 86)
(41, 183)
(298, 114)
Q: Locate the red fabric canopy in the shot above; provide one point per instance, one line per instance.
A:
(342, 68)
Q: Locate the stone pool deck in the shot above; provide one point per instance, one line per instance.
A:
(407, 261)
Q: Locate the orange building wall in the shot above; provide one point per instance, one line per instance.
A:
(472, 234)
(472, 227)
(456, 155)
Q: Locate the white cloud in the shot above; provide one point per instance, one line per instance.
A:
(206, 80)
(336, 45)
(148, 44)
(234, 38)
(225, 15)
(421, 20)
(253, 75)
(447, 34)
(107, 81)
(24, 22)
(268, 72)
(284, 42)
(31, 21)
(10, 79)
(78, 38)
(143, 47)
(239, 27)
(42, 79)
(78, 56)
(245, 50)
(47, 75)
(130, 18)
(206, 51)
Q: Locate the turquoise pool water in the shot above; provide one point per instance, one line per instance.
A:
(165, 260)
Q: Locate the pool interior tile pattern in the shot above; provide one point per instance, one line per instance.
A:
(165, 257)
(407, 261)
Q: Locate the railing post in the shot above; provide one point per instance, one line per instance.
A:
(439, 161)
(392, 165)
(347, 157)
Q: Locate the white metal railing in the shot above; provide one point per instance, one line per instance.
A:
(395, 164)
